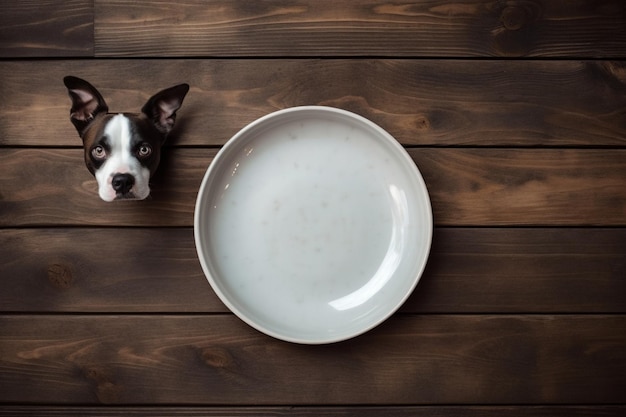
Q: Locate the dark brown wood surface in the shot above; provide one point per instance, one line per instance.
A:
(47, 28)
(420, 102)
(304, 411)
(356, 27)
(434, 28)
(105, 311)
(220, 360)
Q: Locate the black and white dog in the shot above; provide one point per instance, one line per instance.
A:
(122, 150)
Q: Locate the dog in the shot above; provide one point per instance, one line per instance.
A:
(122, 150)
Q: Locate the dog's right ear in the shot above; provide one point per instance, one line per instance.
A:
(87, 102)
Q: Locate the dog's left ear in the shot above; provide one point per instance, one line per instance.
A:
(161, 108)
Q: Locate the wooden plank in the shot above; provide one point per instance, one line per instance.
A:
(470, 270)
(483, 270)
(588, 28)
(566, 187)
(48, 28)
(504, 187)
(100, 270)
(420, 102)
(390, 411)
(219, 360)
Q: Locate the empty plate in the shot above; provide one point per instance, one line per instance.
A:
(313, 224)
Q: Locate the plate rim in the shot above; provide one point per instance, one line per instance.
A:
(233, 143)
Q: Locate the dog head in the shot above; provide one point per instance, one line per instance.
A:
(122, 150)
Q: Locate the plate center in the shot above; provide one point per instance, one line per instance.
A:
(302, 223)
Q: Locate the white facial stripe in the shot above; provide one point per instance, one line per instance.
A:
(121, 160)
(118, 132)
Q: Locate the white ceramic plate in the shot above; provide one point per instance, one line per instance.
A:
(313, 224)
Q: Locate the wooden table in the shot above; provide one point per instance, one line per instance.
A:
(514, 111)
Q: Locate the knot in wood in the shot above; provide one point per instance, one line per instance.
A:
(105, 389)
(520, 14)
(514, 18)
(422, 123)
(217, 357)
(60, 275)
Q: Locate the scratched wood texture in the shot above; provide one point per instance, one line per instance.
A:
(304, 411)
(437, 28)
(46, 28)
(220, 360)
(104, 310)
(420, 102)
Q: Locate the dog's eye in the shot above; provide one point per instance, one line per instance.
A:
(98, 152)
(144, 150)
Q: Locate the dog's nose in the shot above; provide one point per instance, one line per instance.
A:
(122, 183)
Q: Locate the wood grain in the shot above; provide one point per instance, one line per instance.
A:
(303, 411)
(470, 270)
(503, 187)
(104, 310)
(536, 28)
(48, 28)
(221, 361)
(420, 102)
(467, 187)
